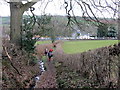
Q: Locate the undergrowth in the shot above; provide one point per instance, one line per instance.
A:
(67, 78)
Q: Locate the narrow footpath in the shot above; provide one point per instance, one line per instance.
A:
(48, 77)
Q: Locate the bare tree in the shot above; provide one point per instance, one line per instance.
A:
(91, 10)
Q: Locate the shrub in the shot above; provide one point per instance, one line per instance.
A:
(98, 66)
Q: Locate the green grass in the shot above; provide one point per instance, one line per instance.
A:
(44, 59)
(82, 46)
(42, 42)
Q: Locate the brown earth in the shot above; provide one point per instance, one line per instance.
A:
(16, 73)
(48, 78)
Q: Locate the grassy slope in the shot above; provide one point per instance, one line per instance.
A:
(81, 46)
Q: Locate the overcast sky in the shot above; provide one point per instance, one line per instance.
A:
(56, 7)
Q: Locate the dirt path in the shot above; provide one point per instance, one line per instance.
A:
(48, 77)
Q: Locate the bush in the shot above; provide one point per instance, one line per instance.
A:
(33, 60)
(27, 35)
(98, 66)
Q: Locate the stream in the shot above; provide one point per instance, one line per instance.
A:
(36, 78)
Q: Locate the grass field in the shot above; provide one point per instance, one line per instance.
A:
(81, 46)
(42, 42)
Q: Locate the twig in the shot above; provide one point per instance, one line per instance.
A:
(10, 59)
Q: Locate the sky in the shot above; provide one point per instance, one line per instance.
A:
(56, 7)
(53, 8)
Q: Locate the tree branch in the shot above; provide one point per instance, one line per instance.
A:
(91, 11)
(66, 6)
(68, 11)
(10, 59)
(47, 5)
(28, 5)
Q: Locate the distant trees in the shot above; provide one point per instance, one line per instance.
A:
(45, 26)
(112, 32)
(102, 30)
(53, 26)
(105, 30)
(60, 26)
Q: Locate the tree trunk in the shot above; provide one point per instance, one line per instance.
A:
(15, 23)
(119, 45)
(16, 10)
(119, 22)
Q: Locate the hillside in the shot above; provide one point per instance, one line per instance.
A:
(5, 20)
(61, 21)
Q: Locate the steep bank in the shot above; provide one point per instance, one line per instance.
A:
(17, 68)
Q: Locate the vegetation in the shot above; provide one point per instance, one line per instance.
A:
(92, 69)
(112, 32)
(45, 27)
(41, 42)
(106, 30)
(18, 69)
(56, 22)
(27, 34)
(82, 46)
(102, 30)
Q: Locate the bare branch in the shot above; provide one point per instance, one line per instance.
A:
(85, 10)
(66, 5)
(107, 5)
(91, 11)
(98, 9)
(10, 59)
(47, 4)
(68, 11)
(81, 7)
(28, 5)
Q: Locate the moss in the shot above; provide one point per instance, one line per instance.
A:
(6, 63)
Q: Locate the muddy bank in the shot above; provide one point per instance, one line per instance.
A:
(48, 78)
(16, 69)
